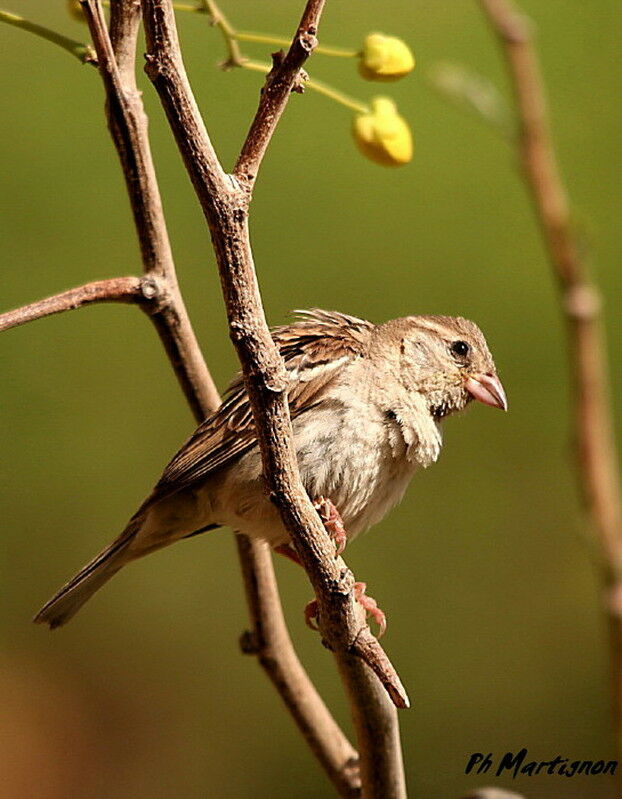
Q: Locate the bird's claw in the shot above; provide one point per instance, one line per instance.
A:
(333, 523)
(371, 608)
(368, 603)
(334, 526)
(312, 612)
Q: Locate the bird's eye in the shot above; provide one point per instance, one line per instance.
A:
(460, 348)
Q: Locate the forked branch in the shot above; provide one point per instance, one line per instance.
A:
(225, 201)
(128, 126)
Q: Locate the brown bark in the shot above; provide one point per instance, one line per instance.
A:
(225, 203)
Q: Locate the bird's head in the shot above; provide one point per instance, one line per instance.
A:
(447, 360)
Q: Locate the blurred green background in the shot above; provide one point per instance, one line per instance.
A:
(486, 570)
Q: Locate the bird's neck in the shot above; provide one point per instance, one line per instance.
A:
(421, 431)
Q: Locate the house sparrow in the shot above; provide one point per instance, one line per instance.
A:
(366, 404)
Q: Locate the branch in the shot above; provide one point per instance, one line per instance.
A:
(270, 642)
(115, 289)
(275, 94)
(225, 206)
(597, 463)
(83, 52)
(128, 127)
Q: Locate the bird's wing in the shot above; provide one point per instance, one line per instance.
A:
(315, 348)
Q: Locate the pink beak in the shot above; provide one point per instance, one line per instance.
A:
(487, 389)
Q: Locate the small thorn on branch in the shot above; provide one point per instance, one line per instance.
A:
(278, 56)
(89, 56)
(308, 41)
(249, 644)
(299, 82)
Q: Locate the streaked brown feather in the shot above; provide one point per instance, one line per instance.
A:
(314, 348)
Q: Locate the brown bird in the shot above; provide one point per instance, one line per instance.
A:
(366, 403)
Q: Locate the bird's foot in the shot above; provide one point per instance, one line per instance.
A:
(312, 612)
(371, 608)
(333, 523)
(368, 603)
(288, 551)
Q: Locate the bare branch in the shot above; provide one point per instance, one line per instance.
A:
(166, 70)
(83, 52)
(128, 126)
(115, 289)
(597, 463)
(377, 730)
(274, 96)
(227, 214)
(353, 641)
(270, 642)
(225, 205)
(366, 647)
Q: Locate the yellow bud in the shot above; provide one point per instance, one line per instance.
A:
(74, 9)
(385, 58)
(382, 135)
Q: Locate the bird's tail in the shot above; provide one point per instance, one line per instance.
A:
(68, 601)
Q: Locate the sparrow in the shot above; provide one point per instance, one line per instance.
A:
(366, 403)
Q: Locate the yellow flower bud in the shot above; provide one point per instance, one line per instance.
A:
(382, 135)
(74, 9)
(385, 58)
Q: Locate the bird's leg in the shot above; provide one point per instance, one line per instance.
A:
(312, 612)
(288, 551)
(333, 523)
(368, 603)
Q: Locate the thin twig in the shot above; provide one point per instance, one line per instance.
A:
(219, 20)
(275, 94)
(273, 646)
(115, 289)
(597, 462)
(225, 205)
(83, 52)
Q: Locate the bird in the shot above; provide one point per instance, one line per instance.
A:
(366, 401)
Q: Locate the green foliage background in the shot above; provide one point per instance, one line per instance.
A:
(485, 570)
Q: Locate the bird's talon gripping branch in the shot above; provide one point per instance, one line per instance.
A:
(371, 607)
(312, 612)
(368, 603)
(333, 523)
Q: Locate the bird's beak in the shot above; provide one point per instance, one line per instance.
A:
(487, 388)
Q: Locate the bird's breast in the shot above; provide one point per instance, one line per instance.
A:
(353, 455)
